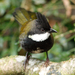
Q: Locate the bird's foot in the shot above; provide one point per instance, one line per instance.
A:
(47, 62)
(26, 60)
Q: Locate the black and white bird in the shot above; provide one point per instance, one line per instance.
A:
(35, 32)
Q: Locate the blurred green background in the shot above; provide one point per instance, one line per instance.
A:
(61, 16)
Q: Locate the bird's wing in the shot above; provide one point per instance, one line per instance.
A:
(23, 17)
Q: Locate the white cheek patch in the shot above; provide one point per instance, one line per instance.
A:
(39, 37)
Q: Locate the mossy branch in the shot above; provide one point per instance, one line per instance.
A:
(13, 65)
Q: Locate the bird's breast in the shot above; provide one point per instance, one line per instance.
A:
(37, 46)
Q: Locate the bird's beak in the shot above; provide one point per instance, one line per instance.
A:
(52, 31)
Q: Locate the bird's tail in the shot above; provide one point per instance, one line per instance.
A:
(22, 16)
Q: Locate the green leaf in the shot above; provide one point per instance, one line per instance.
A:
(1, 42)
(63, 42)
(56, 49)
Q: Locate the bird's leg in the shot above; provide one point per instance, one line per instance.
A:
(26, 60)
(47, 60)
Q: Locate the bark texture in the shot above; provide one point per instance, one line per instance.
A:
(13, 65)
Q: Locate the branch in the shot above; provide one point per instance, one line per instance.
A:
(26, 4)
(68, 7)
(63, 34)
(13, 65)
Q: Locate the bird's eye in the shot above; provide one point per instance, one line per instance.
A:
(42, 30)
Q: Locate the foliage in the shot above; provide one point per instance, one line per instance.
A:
(53, 9)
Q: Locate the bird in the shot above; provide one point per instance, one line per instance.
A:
(35, 32)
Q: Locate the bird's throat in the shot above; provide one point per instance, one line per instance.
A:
(39, 37)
